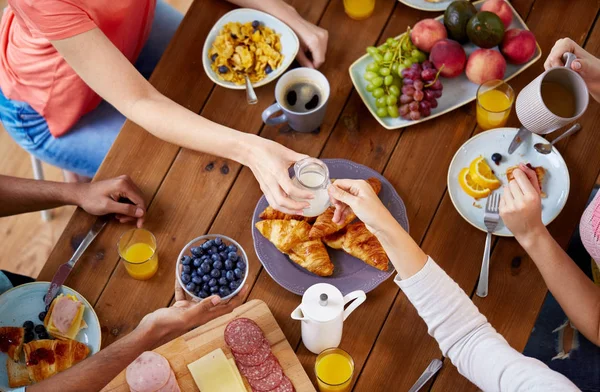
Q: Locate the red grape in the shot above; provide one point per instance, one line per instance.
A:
(407, 81)
(433, 103)
(414, 115)
(413, 106)
(405, 71)
(424, 105)
(437, 93)
(416, 67)
(427, 65)
(404, 110)
(406, 98)
(418, 95)
(425, 112)
(408, 90)
(418, 84)
(428, 74)
(437, 85)
(430, 94)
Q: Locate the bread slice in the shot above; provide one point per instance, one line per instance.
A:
(18, 376)
(76, 324)
(539, 171)
(11, 341)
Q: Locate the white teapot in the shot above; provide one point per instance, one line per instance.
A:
(322, 314)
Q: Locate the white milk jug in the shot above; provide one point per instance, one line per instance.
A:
(322, 314)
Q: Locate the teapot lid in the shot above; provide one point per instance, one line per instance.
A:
(322, 302)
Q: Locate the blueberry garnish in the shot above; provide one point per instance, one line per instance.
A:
(186, 260)
(186, 278)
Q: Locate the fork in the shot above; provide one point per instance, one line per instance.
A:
(490, 219)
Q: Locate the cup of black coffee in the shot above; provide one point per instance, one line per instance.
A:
(301, 96)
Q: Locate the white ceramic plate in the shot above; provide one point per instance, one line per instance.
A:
(457, 91)
(25, 302)
(289, 44)
(426, 6)
(556, 184)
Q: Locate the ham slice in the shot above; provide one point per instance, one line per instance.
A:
(150, 372)
(171, 385)
(64, 312)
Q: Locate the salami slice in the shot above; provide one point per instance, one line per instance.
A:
(260, 371)
(285, 386)
(149, 372)
(272, 381)
(257, 357)
(243, 336)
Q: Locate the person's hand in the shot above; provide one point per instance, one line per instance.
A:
(359, 196)
(313, 44)
(101, 198)
(269, 162)
(586, 64)
(185, 315)
(520, 204)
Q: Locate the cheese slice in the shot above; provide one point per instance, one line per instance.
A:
(77, 324)
(237, 372)
(213, 373)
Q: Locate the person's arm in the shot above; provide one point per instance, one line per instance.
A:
(464, 335)
(19, 195)
(313, 39)
(110, 74)
(578, 296)
(155, 329)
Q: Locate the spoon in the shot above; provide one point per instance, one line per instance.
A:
(250, 94)
(432, 369)
(546, 148)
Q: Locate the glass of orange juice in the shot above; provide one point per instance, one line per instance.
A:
(334, 369)
(137, 248)
(494, 102)
(359, 9)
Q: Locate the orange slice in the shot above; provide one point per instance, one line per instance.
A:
(470, 187)
(482, 174)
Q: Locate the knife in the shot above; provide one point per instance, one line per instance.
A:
(518, 139)
(65, 269)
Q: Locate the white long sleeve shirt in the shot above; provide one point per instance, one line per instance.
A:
(466, 337)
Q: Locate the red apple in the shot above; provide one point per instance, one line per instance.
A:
(484, 65)
(500, 8)
(426, 33)
(518, 46)
(449, 54)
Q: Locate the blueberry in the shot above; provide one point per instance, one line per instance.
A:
(186, 269)
(230, 276)
(197, 251)
(43, 335)
(211, 243)
(218, 265)
(206, 287)
(205, 267)
(255, 24)
(39, 329)
(194, 273)
(213, 249)
(233, 285)
(206, 278)
(268, 69)
(28, 325)
(241, 265)
(228, 264)
(185, 278)
(223, 281)
(206, 245)
(218, 241)
(232, 256)
(223, 255)
(197, 262)
(215, 273)
(223, 69)
(212, 283)
(197, 280)
(497, 158)
(42, 316)
(213, 57)
(186, 260)
(214, 289)
(232, 248)
(222, 247)
(224, 292)
(238, 273)
(191, 286)
(202, 294)
(29, 336)
(215, 257)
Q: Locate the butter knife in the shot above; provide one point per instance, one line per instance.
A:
(431, 370)
(518, 139)
(65, 269)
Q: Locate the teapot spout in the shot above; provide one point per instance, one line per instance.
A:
(297, 314)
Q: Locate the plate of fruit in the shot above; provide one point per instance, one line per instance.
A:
(437, 65)
(482, 166)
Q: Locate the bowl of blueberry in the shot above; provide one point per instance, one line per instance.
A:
(212, 265)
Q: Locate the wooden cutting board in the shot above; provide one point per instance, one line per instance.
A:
(206, 338)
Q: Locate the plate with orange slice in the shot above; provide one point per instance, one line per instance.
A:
(473, 175)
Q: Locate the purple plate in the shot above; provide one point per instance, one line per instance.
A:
(350, 273)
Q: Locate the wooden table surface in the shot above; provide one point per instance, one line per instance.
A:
(190, 193)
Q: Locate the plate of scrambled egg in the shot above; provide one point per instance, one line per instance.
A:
(248, 42)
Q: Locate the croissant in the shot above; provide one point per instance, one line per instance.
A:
(45, 358)
(312, 256)
(271, 213)
(284, 234)
(359, 242)
(324, 224)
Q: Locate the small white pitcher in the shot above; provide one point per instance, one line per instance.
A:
(322, 314)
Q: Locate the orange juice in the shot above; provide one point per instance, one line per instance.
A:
(334, 369)
(359, 9)
(494, 101)
(141, 261)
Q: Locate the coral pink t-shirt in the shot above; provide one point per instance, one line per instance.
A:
(31, 70)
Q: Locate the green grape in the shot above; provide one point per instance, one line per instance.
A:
(381, 102)
(392, 110)
(370, 87)
(373, 67)
(394, 90)
(407, 62)
(370, 75)
(382, 112)
(383, 48)
(391, 100)
(415, 59)
(377, 82)
(388, 56)
(394, 44)
(377, 57)
(414, 53)
(378, 92)
(421, 57)
(407, 45)
(384, 71)
(401, 67)
(388, 80)
(390, 41)
(394, 68)
(372, 50)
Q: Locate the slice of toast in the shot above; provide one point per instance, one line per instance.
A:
(18, 376)
(11, 341)
(539, 171)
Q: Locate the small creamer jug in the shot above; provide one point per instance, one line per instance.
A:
(322, 314)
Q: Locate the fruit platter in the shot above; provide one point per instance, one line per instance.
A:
(437, 65)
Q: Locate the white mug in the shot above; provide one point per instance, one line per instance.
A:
(531, 110)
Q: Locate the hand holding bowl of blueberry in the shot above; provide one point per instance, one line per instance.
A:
(212, 265)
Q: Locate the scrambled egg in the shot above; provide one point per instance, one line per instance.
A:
(250, 48)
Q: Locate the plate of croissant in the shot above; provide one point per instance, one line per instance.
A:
(298, 252)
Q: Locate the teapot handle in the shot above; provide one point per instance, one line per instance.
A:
(358, 296)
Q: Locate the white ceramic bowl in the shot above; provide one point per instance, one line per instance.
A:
(289, 44)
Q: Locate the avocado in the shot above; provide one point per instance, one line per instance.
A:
(485, 29)
(456, 17)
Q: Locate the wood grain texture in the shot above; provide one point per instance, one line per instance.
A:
(202, 340)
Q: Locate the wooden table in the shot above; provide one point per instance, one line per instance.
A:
(190, 194)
